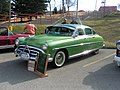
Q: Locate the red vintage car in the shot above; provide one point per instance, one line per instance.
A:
(7, 38)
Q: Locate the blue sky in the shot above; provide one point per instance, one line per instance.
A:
(87, 5)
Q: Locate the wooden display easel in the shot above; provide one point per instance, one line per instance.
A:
(41, 66)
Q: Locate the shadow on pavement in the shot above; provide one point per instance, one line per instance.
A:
(107, 78)
(15, 71)
(6, 50)
(71, 61)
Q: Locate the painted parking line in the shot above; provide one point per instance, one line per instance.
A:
(98, 60)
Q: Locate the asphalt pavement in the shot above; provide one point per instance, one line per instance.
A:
(88, 72)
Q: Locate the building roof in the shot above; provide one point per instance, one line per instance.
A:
(108, 8)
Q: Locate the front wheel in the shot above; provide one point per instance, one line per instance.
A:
(59, 59)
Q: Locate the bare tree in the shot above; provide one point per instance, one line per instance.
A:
(49, 6)
(70, 3)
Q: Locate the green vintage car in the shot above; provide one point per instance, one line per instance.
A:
(61, 42)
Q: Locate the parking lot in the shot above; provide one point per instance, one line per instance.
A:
(89, 72)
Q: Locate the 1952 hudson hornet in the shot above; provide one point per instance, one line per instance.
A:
(60, 42)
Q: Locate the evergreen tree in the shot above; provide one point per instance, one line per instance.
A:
(55, 10)
(4, 6)
(29, 6)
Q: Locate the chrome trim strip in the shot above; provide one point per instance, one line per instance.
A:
(76, 45)
(34, 48)
(83, 53)
(70, 46)
(50, 59)
(34, 58)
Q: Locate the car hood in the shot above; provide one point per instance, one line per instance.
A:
(42, 39)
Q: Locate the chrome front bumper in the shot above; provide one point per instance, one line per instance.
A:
(29, 53)
(23, 55)
(117, 60)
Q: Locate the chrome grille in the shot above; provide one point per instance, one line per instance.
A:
(32, 51)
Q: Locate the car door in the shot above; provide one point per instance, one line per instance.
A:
(12, 38)
(90, 33)
(7, 38)
(80, 42)
(83, 40)
(4, 38)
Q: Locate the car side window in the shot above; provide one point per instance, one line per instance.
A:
(66, 31)
(4, 32)
(52, 30)
(94, 32)
(80, 32)
(10, 33)
(88, 31)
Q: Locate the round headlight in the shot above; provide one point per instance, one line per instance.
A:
(44, 47)
(17, 42)
(118, 46)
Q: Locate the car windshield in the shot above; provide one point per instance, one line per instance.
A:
(60, 31)
(3, 31)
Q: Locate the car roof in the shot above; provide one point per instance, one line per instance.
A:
(71, 26)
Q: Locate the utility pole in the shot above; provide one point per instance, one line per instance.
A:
(63, 6)
(9, 12)
(77, 10)
(104, 2)
(104, 6)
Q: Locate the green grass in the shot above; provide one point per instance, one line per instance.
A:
(109, 28)
(20, 28)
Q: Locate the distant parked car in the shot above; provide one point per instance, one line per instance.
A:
(61, 42)
(117, 55)
(7, 38)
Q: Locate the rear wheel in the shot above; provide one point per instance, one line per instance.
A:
(59, 59)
